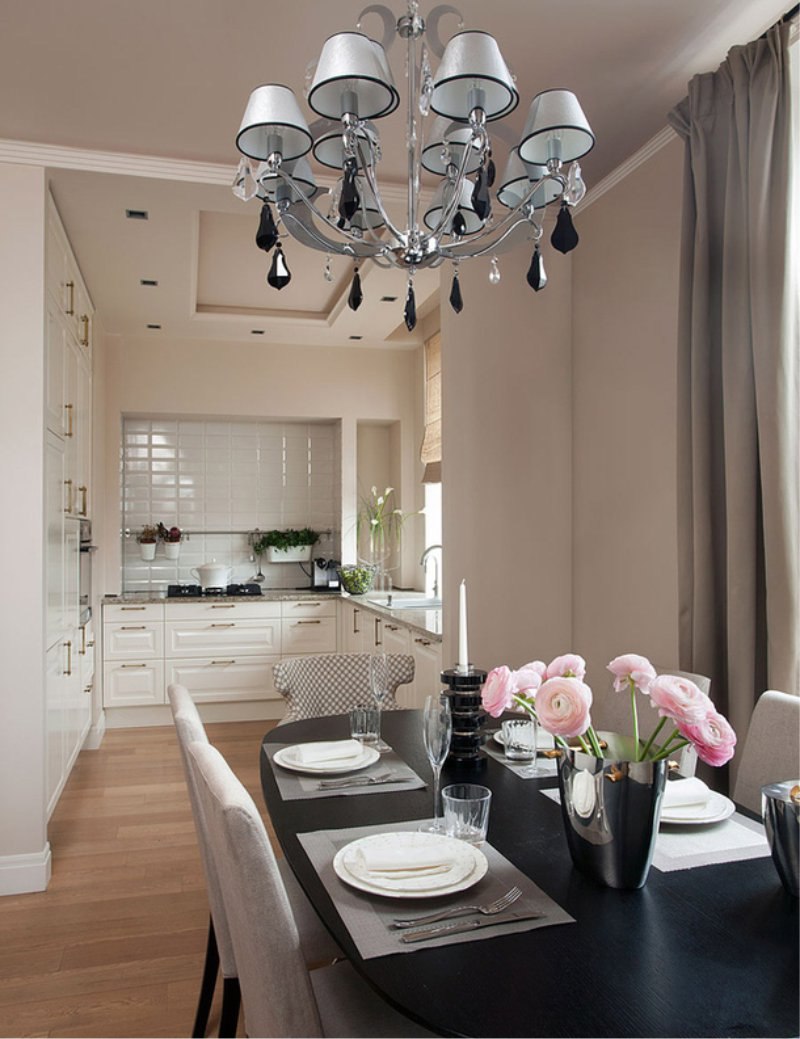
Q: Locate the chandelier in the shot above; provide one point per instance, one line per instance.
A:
(351, 88)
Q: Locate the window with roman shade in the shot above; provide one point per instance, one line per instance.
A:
(431, 451)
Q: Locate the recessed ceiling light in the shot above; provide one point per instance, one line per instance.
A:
(356, 337)
(388, 299)
(148, 281)
(256, 331)
(154, 326)
(137, 214)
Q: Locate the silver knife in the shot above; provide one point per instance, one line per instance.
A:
(337, 784)
(462, 926)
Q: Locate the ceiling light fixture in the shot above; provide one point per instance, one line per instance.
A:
(351, 87)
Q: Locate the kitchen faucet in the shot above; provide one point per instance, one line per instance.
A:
(423, 562)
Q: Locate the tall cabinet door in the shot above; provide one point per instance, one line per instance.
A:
(55, 606)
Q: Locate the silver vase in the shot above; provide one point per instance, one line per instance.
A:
(782, 822)
(611, 807)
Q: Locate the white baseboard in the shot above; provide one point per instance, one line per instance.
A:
(20, 874)
(243, 711)
(94, 737)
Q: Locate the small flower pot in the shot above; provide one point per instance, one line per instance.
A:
(147, 550)
(172, 549)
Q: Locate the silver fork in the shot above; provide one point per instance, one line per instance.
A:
(489, 909)
(377, 777)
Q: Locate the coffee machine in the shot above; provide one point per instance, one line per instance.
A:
(325, 574)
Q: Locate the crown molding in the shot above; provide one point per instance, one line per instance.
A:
(647, 151)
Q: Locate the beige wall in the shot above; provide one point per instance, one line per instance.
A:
(159, 376)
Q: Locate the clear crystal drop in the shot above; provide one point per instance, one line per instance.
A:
(244, 186)
(426, 82)
(308, 79)
(494, 272)
(328, 273)
(576, 188)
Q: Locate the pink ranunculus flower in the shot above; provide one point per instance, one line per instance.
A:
(632, 667)
(570, 665)
(497, 690)
(562, 705)
(713, 738)
(530, 677)
(679, 699)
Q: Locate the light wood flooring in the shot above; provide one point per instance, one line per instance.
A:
(115, 946)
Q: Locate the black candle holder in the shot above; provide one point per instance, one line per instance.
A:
(464, 693)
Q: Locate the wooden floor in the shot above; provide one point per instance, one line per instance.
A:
(115, 946)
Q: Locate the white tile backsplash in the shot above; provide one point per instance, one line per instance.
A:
(230, 477)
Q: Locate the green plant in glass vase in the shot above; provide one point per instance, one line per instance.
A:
(380, 521)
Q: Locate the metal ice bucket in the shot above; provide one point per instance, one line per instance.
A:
(781, 813)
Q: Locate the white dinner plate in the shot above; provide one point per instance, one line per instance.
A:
(544, 740)
(287, 758)
(716, 808)
(469, 865)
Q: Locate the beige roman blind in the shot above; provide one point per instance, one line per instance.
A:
(431, 451)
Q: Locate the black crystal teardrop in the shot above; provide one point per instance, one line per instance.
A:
(481, 199)
(459, 223)
(564, 236)
(356, 297)
(491, 172)
(456, 302)
(410, 312)
(349, 200)
(279, 274)
(267, 233)
(536, 276)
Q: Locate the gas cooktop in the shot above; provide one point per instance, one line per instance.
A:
(194, 591)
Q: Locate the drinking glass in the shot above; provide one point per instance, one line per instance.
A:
(379, 684)
(437, 728)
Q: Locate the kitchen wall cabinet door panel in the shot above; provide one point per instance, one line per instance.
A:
(54, 390)
(230, 638)
(308, 635)
(219, 679)
(133, 684)
(133, 641)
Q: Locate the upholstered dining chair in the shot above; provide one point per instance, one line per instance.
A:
(771, 749)
(316, 944)
(333, 683)
(280, 997)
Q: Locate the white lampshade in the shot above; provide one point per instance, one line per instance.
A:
(271, 186)
(433, 213)
(273, 112)
(367, 202)
(517, 180)
(555, 128)
(351, 63)
(457, 136)
(472, 63)
(329, 147)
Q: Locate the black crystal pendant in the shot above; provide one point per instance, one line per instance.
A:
(410, 312)
(267, 233)
(356, 297)
(564, 236)
(481, 199)
(456, 302)
(491, 171)
(536, 276)
(459, 224)
(279, 274)
(349, 200)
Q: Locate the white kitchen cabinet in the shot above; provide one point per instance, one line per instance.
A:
(354, 627)
(133, 683)
(133, 640)
(427, 655)
(202, 638)
(133, 654)
(217, 679)
(308, 626)
(55, 680)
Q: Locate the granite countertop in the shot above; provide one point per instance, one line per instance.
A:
(426, 622)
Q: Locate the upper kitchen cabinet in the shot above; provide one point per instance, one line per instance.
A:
(68, 386)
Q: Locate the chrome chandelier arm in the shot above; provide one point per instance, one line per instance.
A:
(369, 173)
(298, 221)
(466, 250)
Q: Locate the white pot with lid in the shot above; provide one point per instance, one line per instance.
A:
(212, 575)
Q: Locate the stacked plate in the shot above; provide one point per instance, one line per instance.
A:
(410, 865)
(327, 758)
(689, 802)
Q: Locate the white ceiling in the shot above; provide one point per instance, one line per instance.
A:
(169, 79)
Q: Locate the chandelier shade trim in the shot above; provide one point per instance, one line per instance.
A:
(472, 88)
(273, 117)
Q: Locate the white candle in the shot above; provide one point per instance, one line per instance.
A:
(463, 652)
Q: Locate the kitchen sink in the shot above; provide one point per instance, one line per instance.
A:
(412, 603)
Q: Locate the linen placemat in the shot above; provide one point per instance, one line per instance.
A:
(298, 786)
(686, 847)
(546, 768)
(368, 917)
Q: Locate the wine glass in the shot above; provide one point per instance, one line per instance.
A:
(437, 728)
(379, 684)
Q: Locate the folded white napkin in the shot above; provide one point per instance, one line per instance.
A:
(685, 793)
(400, 860)
(333, 751)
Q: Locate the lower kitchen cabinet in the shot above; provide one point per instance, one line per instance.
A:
(133, 683)
(427, 655)
(212, 679)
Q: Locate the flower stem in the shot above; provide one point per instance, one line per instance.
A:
(666, 751)
(635, 716)
(653, 735)
(595, 742)
(584, 748)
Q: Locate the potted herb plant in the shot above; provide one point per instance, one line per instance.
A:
(148, 539)
(172, 540)
(286, 546)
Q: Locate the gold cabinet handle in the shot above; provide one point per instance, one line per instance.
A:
(87, 689)
(90, 643)
(82, 650)
(423, 642)
(356, 629)
(71, 305)
(223, 606)
(69, 408)
(129, 666)
(68, 485)
(133, 627)
(317, 621)
(393, 627)
(84, 491)
(231, 624)
(300, 605)
(223, 662)
(84, 339)
(68, 668)
(131, 608)
(378, 640)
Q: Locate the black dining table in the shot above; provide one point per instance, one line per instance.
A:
(708, 951)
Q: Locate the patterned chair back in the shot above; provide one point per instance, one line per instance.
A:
(334, 683)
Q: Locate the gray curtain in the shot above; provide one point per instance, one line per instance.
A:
(738, 383)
